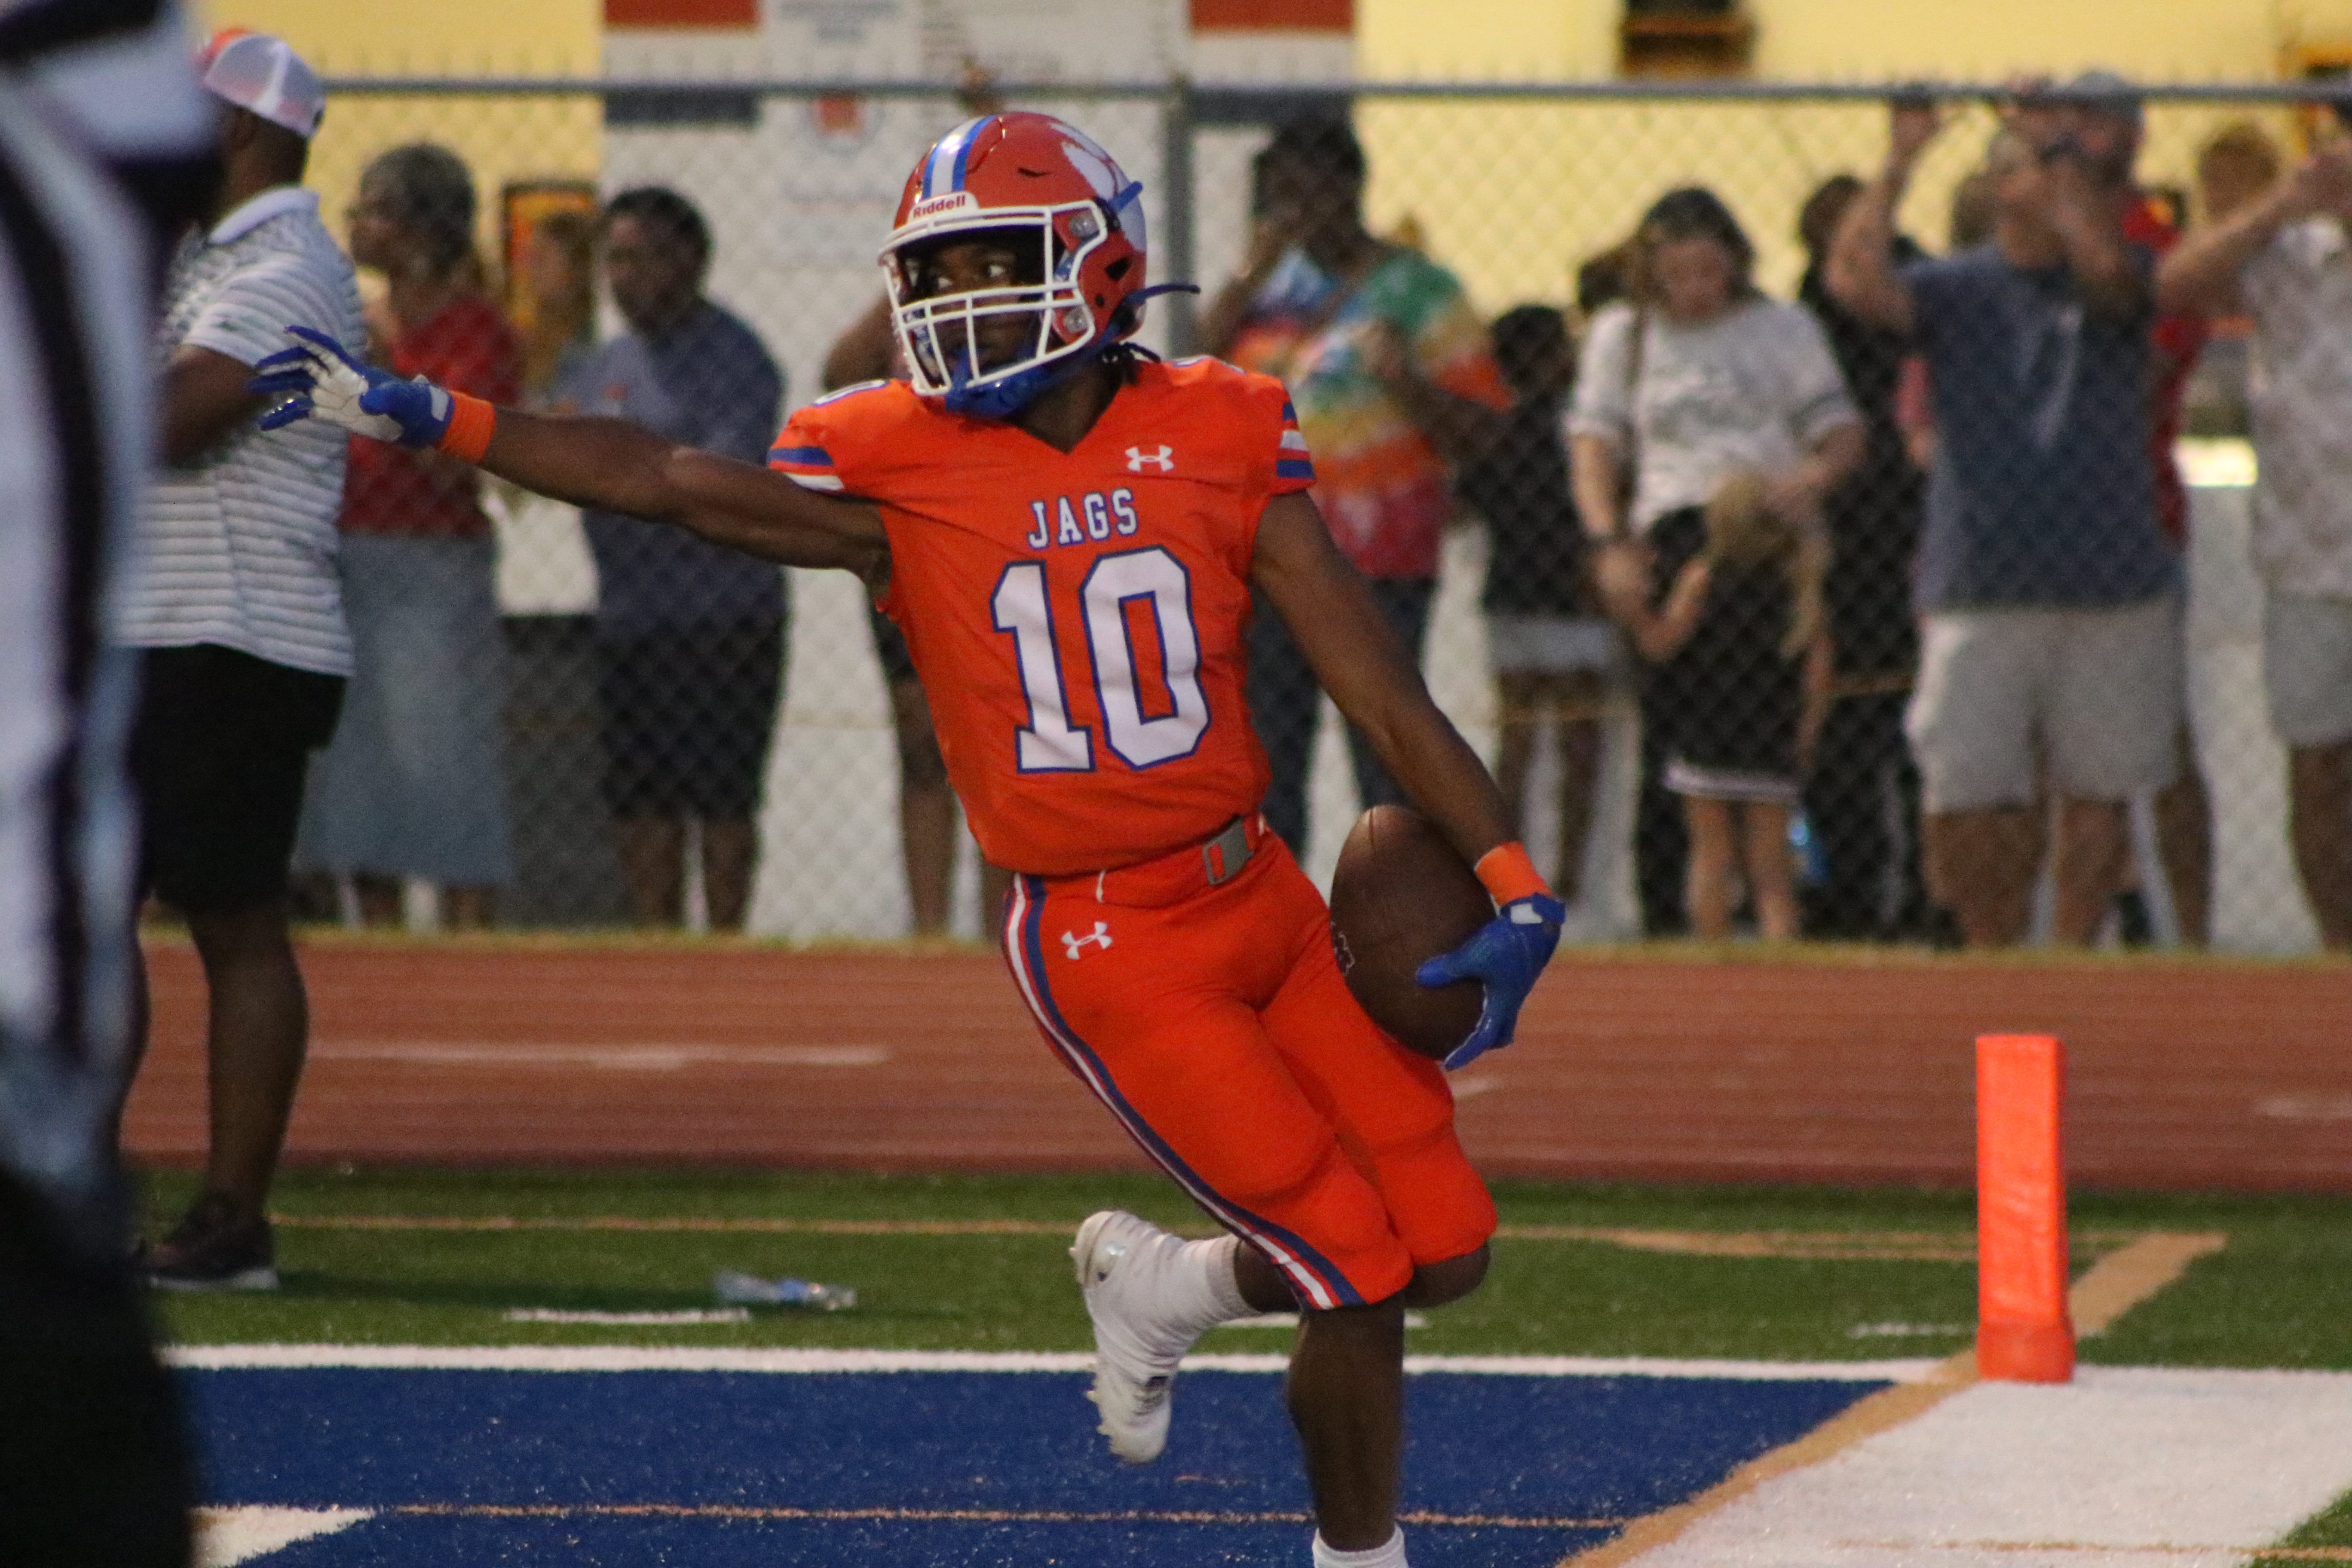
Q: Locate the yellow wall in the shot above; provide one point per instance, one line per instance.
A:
(427, 37)
(1845, 39)
(502, 139)
(1512, 197)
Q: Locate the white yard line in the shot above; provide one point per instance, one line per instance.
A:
(679, 1357)
(617, 1056)
(1290, 1320)
(228, 1536)
(2124, 1468)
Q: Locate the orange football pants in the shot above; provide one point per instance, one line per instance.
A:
(1213, 1021)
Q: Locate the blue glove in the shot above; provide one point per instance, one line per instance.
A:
(1508, 953)
(320, 378)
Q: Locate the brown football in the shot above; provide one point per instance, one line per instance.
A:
(1401, 895)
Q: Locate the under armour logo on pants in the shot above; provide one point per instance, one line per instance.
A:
(1077, 945)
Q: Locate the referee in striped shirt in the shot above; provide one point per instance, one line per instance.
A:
(99, 120)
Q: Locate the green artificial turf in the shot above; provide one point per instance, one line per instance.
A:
(2274, 1297)
(2330, 1527)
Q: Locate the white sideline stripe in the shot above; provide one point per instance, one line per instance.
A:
(680, 1358)
(639, 1320)
(1290, 1320)
(621, 1057)
(227, 1536)
(2124, 1468)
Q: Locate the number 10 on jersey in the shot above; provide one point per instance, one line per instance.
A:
(1049, 742)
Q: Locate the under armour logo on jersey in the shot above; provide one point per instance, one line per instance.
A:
(1078, 944)
(1163, 459)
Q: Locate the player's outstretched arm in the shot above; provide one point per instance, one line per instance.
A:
(1372, 677)
(607, 463)
(614, 466)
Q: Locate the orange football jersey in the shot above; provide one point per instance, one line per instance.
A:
(1077, 617)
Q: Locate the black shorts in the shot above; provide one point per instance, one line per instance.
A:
(687, 718)
(890, 647)
(218, 755)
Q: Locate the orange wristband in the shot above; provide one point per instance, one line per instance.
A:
(471, 420)
(1508, 874)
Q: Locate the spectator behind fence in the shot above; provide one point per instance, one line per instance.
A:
(1971, 226)
(414, 783)
(559, 273)
(1550, 650)
(1863, 796)
(1388, 368)
(691, 636)
(1737, 629)
(2049, 639)
(1693, 379)
(234, 602)
(2285, 258)
(2103, 121)
(867, 351)
(2236, 167)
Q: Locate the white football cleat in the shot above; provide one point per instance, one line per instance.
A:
(1128, 1269)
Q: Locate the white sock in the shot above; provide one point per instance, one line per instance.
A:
(1391, 1555)
(1214, 1297)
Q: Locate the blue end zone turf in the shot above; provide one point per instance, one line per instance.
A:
(942, 1469)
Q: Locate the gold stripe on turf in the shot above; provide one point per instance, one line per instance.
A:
(2114, 1285)
(960, 1515)
(1891, 1247)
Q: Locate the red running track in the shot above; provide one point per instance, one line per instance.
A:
(2182, 1074)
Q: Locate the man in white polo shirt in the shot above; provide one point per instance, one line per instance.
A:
(236, 602)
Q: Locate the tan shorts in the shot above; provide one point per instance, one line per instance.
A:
(2307, 668)
(2092, 695)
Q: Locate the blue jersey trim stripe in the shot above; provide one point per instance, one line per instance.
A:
(1293, 469)
(1032, 949)
(1289, 413)
(812, 456)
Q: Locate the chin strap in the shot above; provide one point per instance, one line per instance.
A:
(1006, 398)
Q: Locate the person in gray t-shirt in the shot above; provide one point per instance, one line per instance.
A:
(2049, 602)
(691, 636)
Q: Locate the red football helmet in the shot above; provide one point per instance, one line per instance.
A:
(1042, 187)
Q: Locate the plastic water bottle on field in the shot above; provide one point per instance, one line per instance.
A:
(808, 1295)
(1812, 866)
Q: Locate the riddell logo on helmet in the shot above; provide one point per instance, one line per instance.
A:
(932, 207)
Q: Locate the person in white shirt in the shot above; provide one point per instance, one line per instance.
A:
(1695, 381)
(2286, 260)
(236, 605)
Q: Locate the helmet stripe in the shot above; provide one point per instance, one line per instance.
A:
(943, 171)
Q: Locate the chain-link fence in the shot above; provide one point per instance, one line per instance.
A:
(1980, 433)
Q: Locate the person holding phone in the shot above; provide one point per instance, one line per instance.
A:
(2050, 637)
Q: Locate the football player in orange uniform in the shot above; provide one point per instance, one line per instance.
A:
(1068, 531)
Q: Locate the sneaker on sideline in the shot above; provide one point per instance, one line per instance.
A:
(214, 1247)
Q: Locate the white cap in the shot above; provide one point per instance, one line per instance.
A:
(261, 73)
